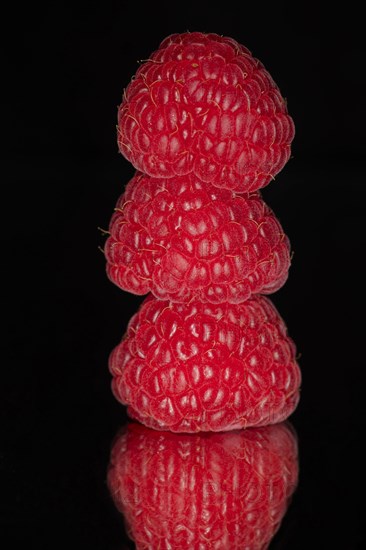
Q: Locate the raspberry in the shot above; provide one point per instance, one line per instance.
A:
(227, 491)
(183, 239)
(203, 104)
(201, 367)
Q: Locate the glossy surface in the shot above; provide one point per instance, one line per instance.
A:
(203, 492)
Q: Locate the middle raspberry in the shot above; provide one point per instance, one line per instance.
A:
(184, 239)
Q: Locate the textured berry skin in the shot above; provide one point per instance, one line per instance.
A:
(183, 239)
(203, 103)
(200, 367)
(227, 491)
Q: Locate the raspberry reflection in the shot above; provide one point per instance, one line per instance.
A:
(203, 491)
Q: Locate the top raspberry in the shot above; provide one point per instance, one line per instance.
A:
(202, 103)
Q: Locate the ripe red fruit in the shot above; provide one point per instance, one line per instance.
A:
(202, 367)
(202, 103)
(227, 491)
(182, 239)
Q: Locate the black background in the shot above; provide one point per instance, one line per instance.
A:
(64, 70)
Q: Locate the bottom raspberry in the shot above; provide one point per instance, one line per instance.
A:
(227, 491)
(203, 367)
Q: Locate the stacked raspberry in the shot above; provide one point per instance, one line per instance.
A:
(206, 127)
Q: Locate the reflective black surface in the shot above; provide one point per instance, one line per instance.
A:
(65, 71)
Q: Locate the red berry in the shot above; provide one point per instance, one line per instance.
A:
(203, 104)
(182, 239)
(227, 491)
(202, 367)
